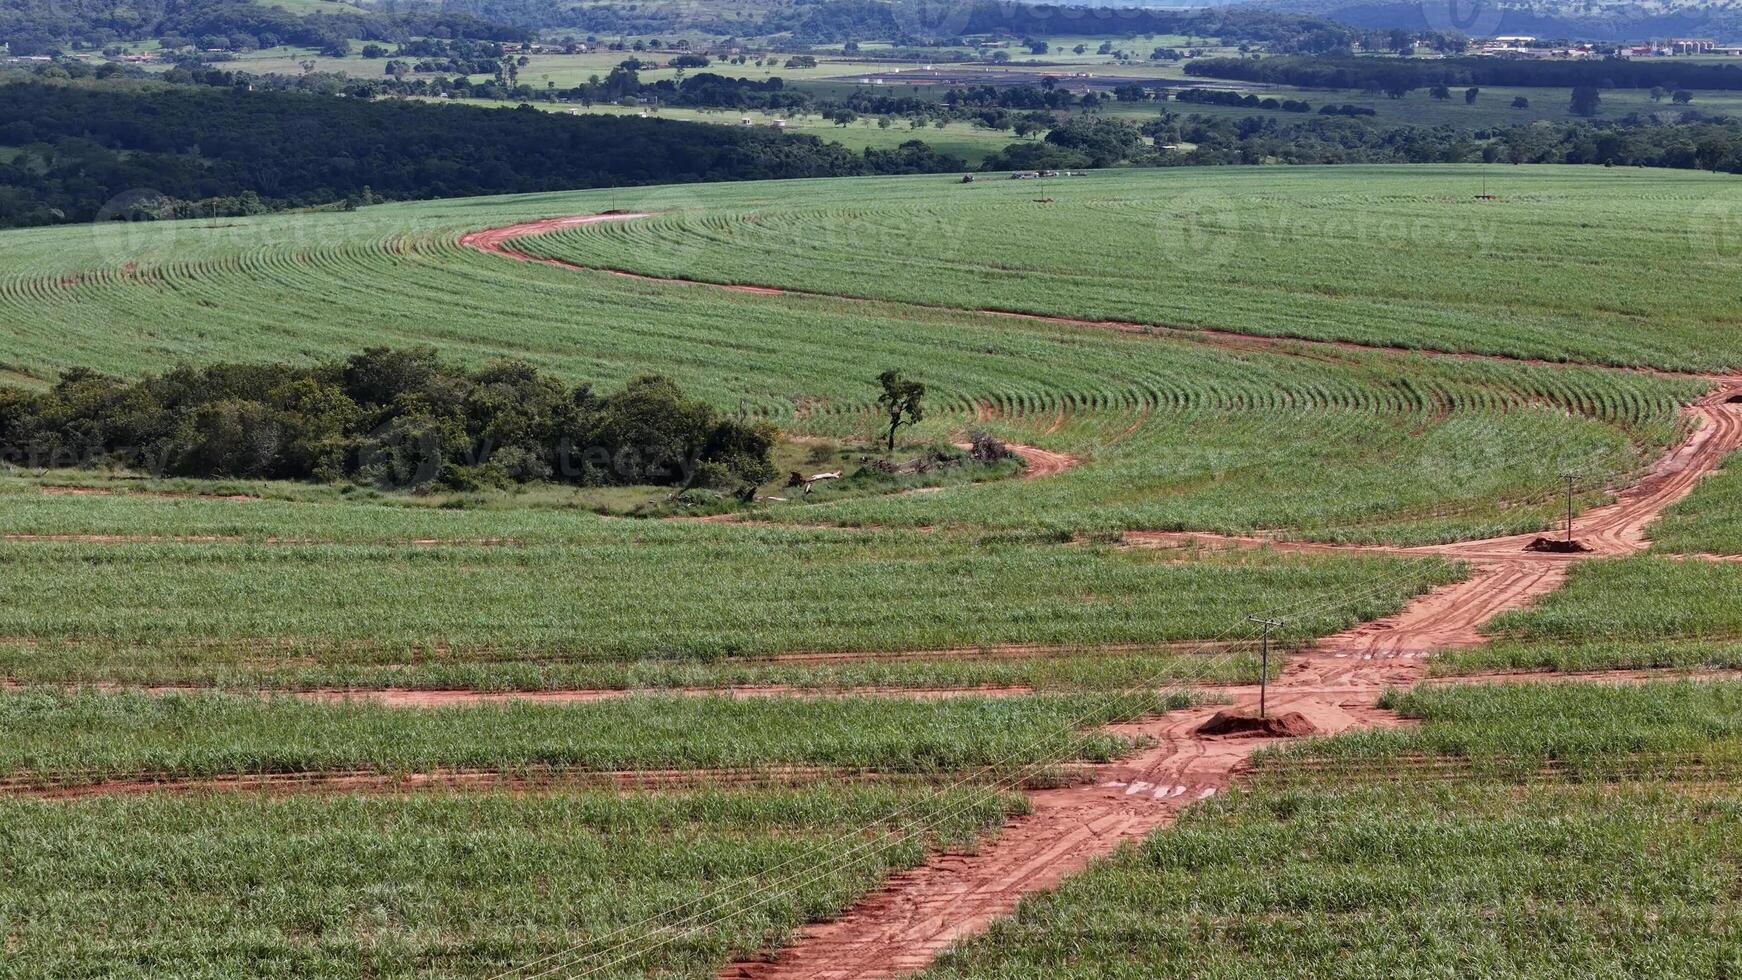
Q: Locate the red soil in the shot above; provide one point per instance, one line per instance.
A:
(1244, 722)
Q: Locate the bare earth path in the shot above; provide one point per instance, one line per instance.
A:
(903, 926)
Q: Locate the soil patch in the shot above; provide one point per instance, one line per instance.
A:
(1245, 722)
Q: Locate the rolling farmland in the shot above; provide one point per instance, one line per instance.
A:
(1345, 399)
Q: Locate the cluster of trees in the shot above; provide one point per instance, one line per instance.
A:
(1397, 76)
(233, 151)
(398, 419)
(1204, 96)
(34, 27)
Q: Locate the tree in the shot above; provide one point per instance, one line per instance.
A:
(1520, 103)
(1586, 101)
(1440, 92)
(901, 399)
(1658, 92)
(1682, 97)
(1470, 95)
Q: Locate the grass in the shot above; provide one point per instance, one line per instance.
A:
(466, 885)
(1707, 521)
(1638, 600)
(1642, 613)
(1575, 656)
(1374, 880)
(601, 605)
(1580, 732)
(1488, 869)
(75, 737)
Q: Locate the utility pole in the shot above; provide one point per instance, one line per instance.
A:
(1569, 478)
(1264, 668)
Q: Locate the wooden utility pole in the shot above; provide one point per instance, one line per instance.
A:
(1569, 478)
(1264, 662)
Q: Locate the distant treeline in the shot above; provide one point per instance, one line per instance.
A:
(911, 22)
(1697, 143)
(40, 26)
(1401, 75)
(230, 151)
(397, 419)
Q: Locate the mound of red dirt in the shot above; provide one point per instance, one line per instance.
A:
(1241, 721)
(1558, 546)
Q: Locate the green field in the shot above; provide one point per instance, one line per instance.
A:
(1333, 866)
(71, 738)
(1709, 521)
(1485, 351)
(458, 884)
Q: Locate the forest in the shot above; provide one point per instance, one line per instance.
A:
(389, 418)
(34, 27)
(78, 147)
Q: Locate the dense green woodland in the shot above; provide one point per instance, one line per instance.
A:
(204, 150)
(384, 417)
(900, 21)
(41, 26)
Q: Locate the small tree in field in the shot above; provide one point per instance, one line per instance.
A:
(902, 399)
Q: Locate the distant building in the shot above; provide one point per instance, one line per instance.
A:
(1689, 45)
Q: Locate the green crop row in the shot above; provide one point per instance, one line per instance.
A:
(461, 885)
(1708, 521)
(1578, 731)
(1436, 851)
(1371, 881)
(74, 737)
(678, 593)
(1639, 600)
